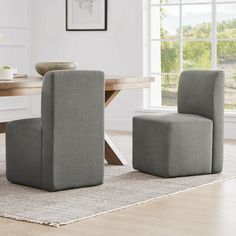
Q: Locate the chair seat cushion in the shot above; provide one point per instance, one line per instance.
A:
(172, 145)
(173, 118)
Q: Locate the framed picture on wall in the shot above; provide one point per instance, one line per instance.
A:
(86, 15)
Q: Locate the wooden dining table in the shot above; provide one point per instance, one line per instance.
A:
(113, 86)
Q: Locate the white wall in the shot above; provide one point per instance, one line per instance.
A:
(15, 51)
(117, 51)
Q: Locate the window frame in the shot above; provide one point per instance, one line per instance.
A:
(147, 39)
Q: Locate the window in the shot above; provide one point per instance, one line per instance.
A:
(189, 34)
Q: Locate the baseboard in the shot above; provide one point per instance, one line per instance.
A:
(119, 124)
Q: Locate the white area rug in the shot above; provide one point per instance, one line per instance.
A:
(123, 187)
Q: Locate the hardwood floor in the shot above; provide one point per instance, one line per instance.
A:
(206, 211)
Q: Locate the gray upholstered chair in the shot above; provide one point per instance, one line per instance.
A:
(65, 147)
(189, 142)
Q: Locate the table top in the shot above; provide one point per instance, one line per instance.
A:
(32, 85)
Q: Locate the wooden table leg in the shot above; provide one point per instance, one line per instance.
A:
(3, 127)
(112, 154)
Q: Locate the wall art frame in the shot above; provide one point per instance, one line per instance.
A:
(86, 15)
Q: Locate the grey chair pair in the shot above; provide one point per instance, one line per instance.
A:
(65, 147)
(189, 142)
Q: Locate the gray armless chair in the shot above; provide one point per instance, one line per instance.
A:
(189, 142)
(64, 148)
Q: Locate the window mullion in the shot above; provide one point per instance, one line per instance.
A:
(214, 37)
(147, 49)
(181, 37)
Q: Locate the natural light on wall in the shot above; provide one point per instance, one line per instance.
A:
(189, 34)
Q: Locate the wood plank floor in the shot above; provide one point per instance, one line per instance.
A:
(206, 211)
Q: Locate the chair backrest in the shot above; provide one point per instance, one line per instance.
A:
(73, 127)
(201, 92)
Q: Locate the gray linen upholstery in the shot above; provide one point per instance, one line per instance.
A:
(189, 142)
(65, 148)
(24, 152)
(202, 93)
(163, 144)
